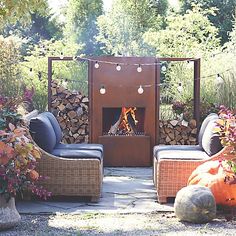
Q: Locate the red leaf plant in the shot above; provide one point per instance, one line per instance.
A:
(226, 128)
(18, 154)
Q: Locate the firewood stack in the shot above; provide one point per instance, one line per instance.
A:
(178, 132)
(71, 110)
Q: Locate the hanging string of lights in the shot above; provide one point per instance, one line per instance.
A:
(218, 74)
(118, 66)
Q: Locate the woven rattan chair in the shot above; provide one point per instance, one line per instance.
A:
(71, 177)
(172, 165)
(71, 169)
(172, 174)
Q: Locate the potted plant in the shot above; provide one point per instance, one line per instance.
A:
(18, 159)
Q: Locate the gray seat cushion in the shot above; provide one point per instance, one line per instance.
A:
(210, 140)
(159, 148)
(43, 133)
(55, 125)
(182, 155)
(204, 125)
(77, 154)
(80, 146)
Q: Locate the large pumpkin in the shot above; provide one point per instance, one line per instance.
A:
(212, 175)
(195, 204)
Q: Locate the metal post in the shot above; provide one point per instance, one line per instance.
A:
(197, 91)
(49, 83)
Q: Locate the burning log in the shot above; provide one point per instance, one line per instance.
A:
(126, 123)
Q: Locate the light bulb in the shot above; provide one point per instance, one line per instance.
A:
(163, 68)
(96, 65)
(219, 80)
(140, 89)
(40, 75)
(189, 64)
(102, 90)
(118, 67)
(61, 56)
(64, 83)
(31, 72)
(180, 88)
(139, 69)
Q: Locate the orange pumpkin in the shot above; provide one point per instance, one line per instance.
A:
(212, 174)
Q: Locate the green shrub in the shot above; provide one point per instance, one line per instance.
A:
(10, 76)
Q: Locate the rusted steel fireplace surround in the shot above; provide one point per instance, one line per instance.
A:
(124, 106)
(124, 146)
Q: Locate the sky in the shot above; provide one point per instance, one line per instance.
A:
(56, 4)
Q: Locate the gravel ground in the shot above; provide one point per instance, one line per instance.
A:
(117, 224)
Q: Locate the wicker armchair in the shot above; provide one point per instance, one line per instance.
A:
(71, 169)
(172, 165)
(71, 177)
(172, 174)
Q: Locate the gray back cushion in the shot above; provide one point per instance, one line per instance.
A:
(210, 140)
(204, 125)
(55, 125)
(43, 132)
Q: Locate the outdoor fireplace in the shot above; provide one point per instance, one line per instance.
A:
(130, 82)
(123, 117)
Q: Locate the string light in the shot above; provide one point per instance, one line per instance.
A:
(180, 88)
(163, 68)
(102, 90)
(139, 69)
(31, 71)
(61, 56)
(96, 65)
(189, 64)
(118, 67)
(219, 80)
(65, 83)
(140, 89)
(40, 75)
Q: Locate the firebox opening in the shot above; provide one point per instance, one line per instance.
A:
(123, 121)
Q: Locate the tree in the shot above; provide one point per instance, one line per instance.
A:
(223, 19)
(12, 11)
(161, 6)
(47, 27)
(40, 28)
(188, 35)
(81, 25)
(121, 29)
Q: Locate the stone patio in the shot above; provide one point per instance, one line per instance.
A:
(125, 190)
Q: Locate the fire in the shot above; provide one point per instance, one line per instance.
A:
(127, 122)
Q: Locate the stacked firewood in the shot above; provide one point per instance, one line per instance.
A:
(178, 132)
(71, 110)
